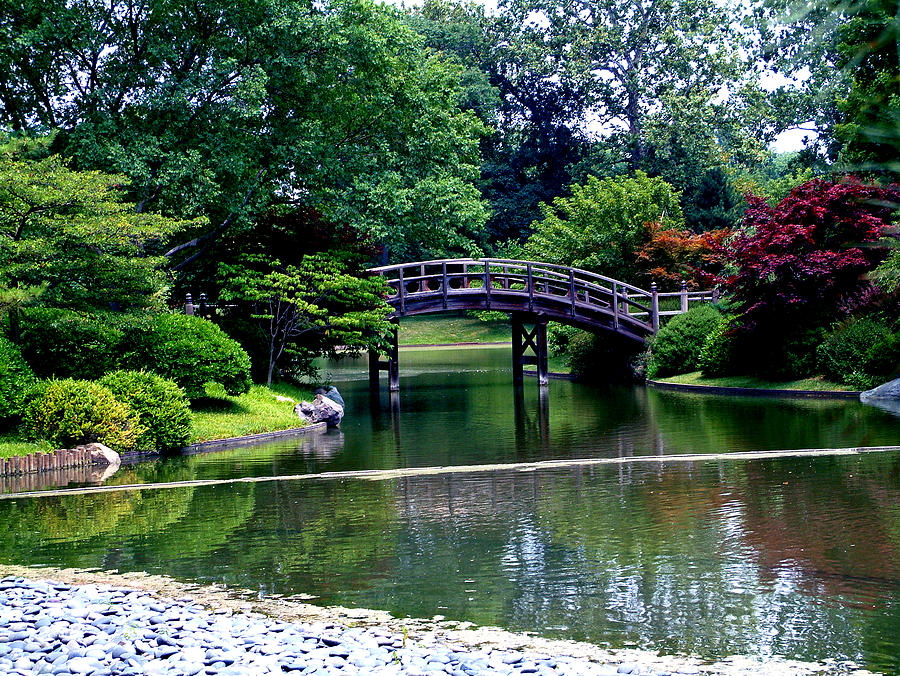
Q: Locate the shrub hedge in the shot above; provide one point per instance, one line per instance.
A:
(67, 344)
(861, 352)
(71, 412)
(160, 404)
(16, 378)
(188, 350)
(716, 357)
(676, 347)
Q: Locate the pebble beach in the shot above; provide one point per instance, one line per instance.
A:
(51, 626)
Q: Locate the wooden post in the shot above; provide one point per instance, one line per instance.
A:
(543, 370)
(444, 282)
(203, 305)
(615, 305)
(530, 282)
(572, 289)
(423, 283)
(654, 307)
(188, 304)
(715, 295)
(684, 297)
(402, 290)
(487, 284)
(517, 349)
(394, 359)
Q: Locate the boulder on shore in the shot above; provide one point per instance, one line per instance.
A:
(102, 456)
(886, 391)
(886, 396)
(321, 409)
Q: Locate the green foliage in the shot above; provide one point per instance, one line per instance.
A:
(677, 346)
(188, 350)
(605, 357)
(15, 380)
(67, 238)
(310, 308)
(862, 352)
(333, 105)
(69, 344)
(161, 405)
(717, 354)
(71, 412)
(601, 226)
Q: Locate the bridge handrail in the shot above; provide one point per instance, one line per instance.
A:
(581, 289)
(511, 261)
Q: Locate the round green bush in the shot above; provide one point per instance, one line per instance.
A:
(67, 344)
(718, 352)
(676, 348)
(188, 350)
(15, 379)
(72, 412)
(161, 405)
(861, 352)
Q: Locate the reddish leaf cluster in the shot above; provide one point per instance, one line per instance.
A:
(671, 256)
(810, 252)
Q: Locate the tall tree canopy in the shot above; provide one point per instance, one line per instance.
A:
(222, 108)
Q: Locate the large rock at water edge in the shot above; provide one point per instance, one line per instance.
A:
(889, 391)
(332, 393)
(320, 409)
(102, 456)
(885, 397)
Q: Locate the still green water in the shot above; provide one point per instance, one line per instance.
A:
(798, 557)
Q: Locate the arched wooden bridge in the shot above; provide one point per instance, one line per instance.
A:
(532, 293)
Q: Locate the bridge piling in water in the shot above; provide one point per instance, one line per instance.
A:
(536, 341)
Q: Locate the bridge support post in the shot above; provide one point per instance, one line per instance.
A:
(392, 365)
(534, 340)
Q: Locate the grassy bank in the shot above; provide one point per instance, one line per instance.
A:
(217, 417)
(448, 328)
(257, 411)
(817, 383)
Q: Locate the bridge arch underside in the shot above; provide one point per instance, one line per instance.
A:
(587, 317)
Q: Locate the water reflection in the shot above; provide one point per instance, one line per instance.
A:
(799, 557)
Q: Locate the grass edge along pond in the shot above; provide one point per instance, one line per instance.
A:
(816, 383)
(215, 417)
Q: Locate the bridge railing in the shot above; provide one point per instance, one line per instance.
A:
(444, 280)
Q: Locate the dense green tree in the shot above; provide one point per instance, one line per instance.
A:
(311, 307)
(68, 239)
(220, 109)
(870, 125)
(603, 224)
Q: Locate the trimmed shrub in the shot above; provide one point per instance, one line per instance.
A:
(16, 378)
(188, 350)
(717, 354)
(602, 358)
(860, 352)
(71, 412)
(161, 405)
(67, 344)
(676, 348)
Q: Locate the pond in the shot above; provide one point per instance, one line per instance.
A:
(791, 556)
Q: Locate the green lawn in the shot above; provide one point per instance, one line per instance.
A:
(448, 328)
(257, 411)
(11, 444)
(817, 383)
(218, 417)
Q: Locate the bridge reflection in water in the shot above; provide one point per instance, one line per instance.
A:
(532, 293)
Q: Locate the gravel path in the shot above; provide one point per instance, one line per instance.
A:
(52, 627)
